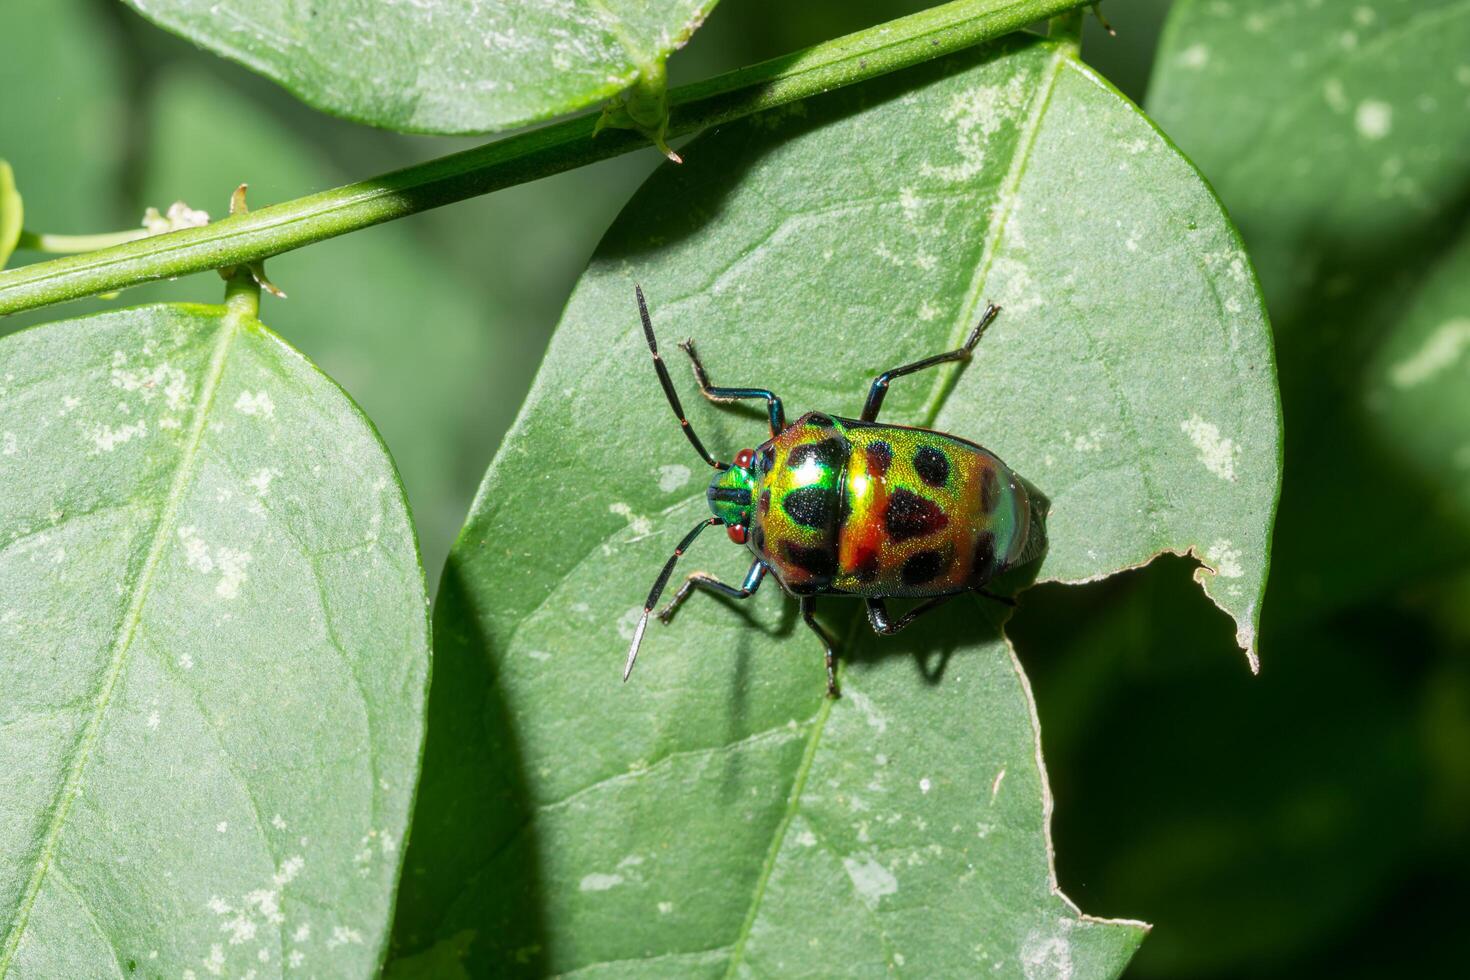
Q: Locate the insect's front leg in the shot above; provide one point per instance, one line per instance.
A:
(773, 404)
(880, 383)
(707, 582)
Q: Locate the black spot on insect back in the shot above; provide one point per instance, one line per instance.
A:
(765, 504)
(911, 516)
(809, 506)
(922, 567)
(827, 453)
(989, 489)
(880, 456)
(764, 460)
(932, 466)
(984, 562)
(814, 561)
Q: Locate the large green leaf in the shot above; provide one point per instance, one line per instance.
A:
(1339, 136)
(718, 815)
(11, 213)
(214, 657)
(441, 66)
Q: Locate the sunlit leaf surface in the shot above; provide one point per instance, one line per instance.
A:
(213, 653)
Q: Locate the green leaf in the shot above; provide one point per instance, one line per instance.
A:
(1339, 137)
(441, 66)
(12, 214)
(717, 815)
(214, 658)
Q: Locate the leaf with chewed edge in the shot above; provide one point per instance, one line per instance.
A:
(1339, 137)
(718, 816)
(214, 655)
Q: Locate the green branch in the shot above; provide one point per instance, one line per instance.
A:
(252, 237)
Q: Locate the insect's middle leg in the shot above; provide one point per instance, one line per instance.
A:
(806, 613)
(878, 614)
(773, 404)
(706, 581)
(880, 383)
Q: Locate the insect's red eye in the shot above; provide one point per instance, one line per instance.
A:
(743, 458)
(737, 532)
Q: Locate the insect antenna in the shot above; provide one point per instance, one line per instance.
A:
(669, 392)
(658, 589)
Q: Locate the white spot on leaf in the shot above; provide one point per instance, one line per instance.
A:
(672, 477)
(1195, 56)
(1225, 557)
(258, 403)
(1046, 957)
(639, 524)
(871, 880)
(1217, 453)
(597, 882)
(1373, 119)
(1438, 352)
(106, 438)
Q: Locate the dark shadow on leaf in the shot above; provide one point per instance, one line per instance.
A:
(1257, 822)
(471, 815)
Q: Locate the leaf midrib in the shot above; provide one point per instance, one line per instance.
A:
(1009, 188)
(183, 476)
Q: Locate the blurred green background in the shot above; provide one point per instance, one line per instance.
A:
(1312, 821)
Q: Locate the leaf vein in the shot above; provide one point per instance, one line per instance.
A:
(61, 805)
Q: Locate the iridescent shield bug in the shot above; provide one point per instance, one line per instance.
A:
(852, 507)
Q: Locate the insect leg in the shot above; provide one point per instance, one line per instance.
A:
(778, 414)
(668, 386)
(658, 590)
(1004, 600)
(880, 383)
(706, 581)
(878, 614)
(806, 613)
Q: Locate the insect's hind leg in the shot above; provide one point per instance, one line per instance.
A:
(707, 582)
(880, 383)
(773, 404)
(831, 653)
(878, 614)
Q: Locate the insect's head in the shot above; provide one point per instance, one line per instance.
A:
(731, 493)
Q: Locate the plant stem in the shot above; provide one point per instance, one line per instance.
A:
(242, 294)
(72, 244)
(1066, 29)
(246, 238)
